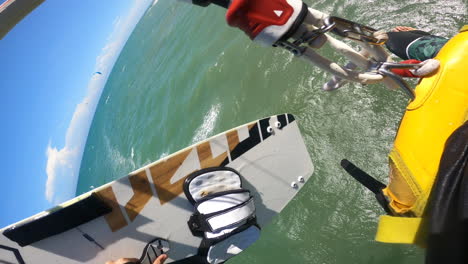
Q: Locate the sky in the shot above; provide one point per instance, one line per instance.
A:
(48, 66)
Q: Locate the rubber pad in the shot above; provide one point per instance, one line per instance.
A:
(210, 181)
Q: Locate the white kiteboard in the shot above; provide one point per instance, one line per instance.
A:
(120, 218)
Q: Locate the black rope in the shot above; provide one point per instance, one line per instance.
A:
(369, 182)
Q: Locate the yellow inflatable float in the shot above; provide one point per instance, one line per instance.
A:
(440, 107)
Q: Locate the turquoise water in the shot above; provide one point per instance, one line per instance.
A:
(184, 76)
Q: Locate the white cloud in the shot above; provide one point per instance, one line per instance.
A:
(63, 164)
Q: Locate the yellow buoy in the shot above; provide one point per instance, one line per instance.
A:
(440, 107)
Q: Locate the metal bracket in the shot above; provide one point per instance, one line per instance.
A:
(384, 68)
(352, 30)
(313, 34)
(293, 48)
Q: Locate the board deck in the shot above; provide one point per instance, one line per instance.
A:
(118, 219)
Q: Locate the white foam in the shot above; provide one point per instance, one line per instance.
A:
(208, 124)
(163, 155)
(117, 158)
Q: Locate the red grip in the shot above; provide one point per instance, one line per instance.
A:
(253, 16)
(406, 72)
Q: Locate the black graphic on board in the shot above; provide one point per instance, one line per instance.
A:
(15, 252)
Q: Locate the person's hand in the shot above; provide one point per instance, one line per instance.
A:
(428, 67)
(402, 28)
(123, 261)
(160, 260)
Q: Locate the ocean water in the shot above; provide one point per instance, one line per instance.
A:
(184, 75)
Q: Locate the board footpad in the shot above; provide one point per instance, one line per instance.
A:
(224, 213)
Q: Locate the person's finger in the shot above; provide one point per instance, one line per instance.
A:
(125, 260)
(402, 28)
(161, 259)
(409, 28)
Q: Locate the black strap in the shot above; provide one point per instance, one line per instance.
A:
(150, 252)
(204, 3)
(297, 23)
(369, 182)
(195, 223)
(201, 257)
(199, 222)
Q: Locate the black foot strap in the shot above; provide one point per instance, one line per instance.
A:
(152, 251)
